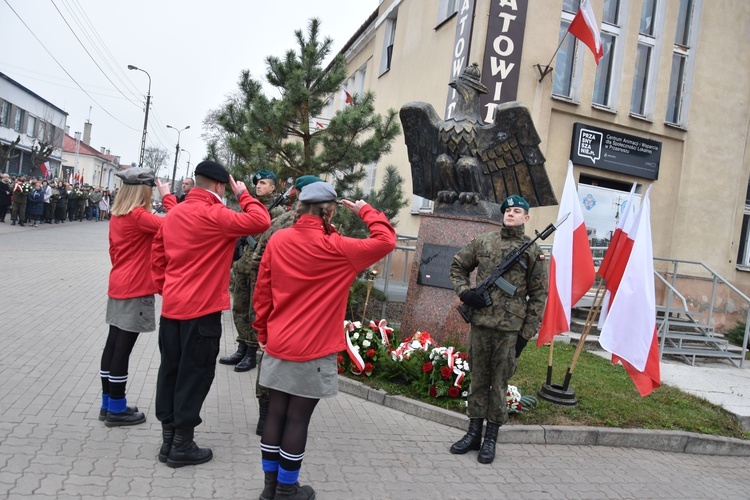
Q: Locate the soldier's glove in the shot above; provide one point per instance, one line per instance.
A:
(473, 299)
(520, 344)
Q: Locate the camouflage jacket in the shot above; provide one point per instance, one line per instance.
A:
(244, 264)
(283, 222)
(521, 312)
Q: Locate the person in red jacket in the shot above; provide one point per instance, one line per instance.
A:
(300, 303)
(130, 306)
(192, 255)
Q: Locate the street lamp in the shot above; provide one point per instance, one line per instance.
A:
(177, 149)
(187, 172)
(145, 120)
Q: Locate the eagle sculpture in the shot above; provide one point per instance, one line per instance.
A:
(467, 166)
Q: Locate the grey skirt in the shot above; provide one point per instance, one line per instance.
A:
(315, 379)
(132, 315)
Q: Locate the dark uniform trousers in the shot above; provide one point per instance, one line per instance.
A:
(491, 353)
(188, 363)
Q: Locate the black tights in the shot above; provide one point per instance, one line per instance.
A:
(286, 425)
(115, 358)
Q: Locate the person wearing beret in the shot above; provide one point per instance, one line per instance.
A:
(300, 304)
(242, 290)
(192, 257)
(130, 303)
(499, 331)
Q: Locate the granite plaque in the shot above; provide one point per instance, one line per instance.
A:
(435, 265)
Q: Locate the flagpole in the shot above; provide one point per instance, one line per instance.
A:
(593, 312)
(547, 69)
(549, 362)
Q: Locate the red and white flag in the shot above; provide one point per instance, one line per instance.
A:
(571, 272)
(346, 96)
(45, 169)
(629, 331)
(585, 28)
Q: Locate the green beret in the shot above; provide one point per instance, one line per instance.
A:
(514, 201)
(263, 174)
(305, 180)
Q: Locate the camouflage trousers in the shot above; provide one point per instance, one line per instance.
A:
(492, 358)
(242, 309)
(262, 393)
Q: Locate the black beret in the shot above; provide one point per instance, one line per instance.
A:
(212, 170)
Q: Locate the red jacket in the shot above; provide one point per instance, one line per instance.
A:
(130, 239)
(303, 284)
(192, 252)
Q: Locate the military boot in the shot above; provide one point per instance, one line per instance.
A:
(236, 357)
(471, 440)
(249, 361)
(184, 451)
(262, 412)
(167, 436)
(487, 453)
(294, 492)
(269, 486)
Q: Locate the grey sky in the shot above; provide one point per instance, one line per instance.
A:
(194, 52)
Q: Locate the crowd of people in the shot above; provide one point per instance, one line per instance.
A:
(42, 201)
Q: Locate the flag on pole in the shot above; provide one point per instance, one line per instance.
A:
(346, 96)
(571, 271)
(586, 29)
(45, 169)
(629, 331)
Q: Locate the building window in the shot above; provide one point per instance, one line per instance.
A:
(368, 184)
(649, 47)
(31, 126)
(446, 8)
(18, 120)
(606, 85)
(680, 79)
(390, 37)
(569, 61)
(420, 205)
(4, 114)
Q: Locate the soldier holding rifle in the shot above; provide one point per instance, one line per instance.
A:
(503, 319)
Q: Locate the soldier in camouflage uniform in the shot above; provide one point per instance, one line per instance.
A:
(282, 222)
(499, 332)
(242, 293)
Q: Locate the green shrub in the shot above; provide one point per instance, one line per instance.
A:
(737, 334)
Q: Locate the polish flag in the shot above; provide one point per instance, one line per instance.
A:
(618, 253)
(319, 125)
(571, 271)
(45, 169)
(629, 331)
(585, 28)
(346, 96)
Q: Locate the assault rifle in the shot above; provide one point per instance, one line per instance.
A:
(495, 279)
(283, 197)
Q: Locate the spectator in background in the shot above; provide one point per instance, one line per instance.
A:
(61, 205)
(35, 204)
(187, 185)
(47, 201)
(6, 188)
(95, 196)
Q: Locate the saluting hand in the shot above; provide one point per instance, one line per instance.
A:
(162, 188)
(354, 207)
(236, 186)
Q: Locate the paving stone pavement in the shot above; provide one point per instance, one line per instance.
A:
(52, 444)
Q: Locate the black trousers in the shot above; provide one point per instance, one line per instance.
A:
(188, 363)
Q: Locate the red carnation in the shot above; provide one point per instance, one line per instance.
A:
(520, 406)
(427, 368)
(368, 367)
(370, 353)
(339, 359)
(341, 369)
(433, 391)
(454, 392)
(446, 372)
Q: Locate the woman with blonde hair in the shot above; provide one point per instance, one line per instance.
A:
(130, 306)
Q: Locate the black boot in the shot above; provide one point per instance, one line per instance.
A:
(128, 417)
(294, 492)
(236, 357)
(269, 486)
(167, 436)
(248, 362)
(185, 452)
(262, 412)
(471, 440)
(487, 453)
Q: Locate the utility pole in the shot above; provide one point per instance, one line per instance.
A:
(176, 151)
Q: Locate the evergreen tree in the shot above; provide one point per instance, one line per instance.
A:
(279, 134)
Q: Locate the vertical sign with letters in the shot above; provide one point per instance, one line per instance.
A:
(461, 45)
(502, 54)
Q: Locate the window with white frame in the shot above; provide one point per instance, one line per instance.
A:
(420, 205)
(446, 8)
(564, 83)
(31, 126)
(18, 120)
(390, 38)
(606, 84)
(4, 114)
(681, 75)
(368, 184)
(743, 257)
(646, 60)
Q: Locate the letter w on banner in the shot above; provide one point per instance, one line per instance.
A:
(585, 28)
(571, 271)
(629, 331)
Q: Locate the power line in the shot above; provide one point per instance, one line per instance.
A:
(65, 70)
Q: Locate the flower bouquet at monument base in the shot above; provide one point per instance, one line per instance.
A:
(366, 345)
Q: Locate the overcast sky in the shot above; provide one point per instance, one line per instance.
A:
(193, 51)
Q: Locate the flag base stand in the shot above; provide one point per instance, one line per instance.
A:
(557, 394)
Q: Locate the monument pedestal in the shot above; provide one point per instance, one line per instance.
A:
(430, 306)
